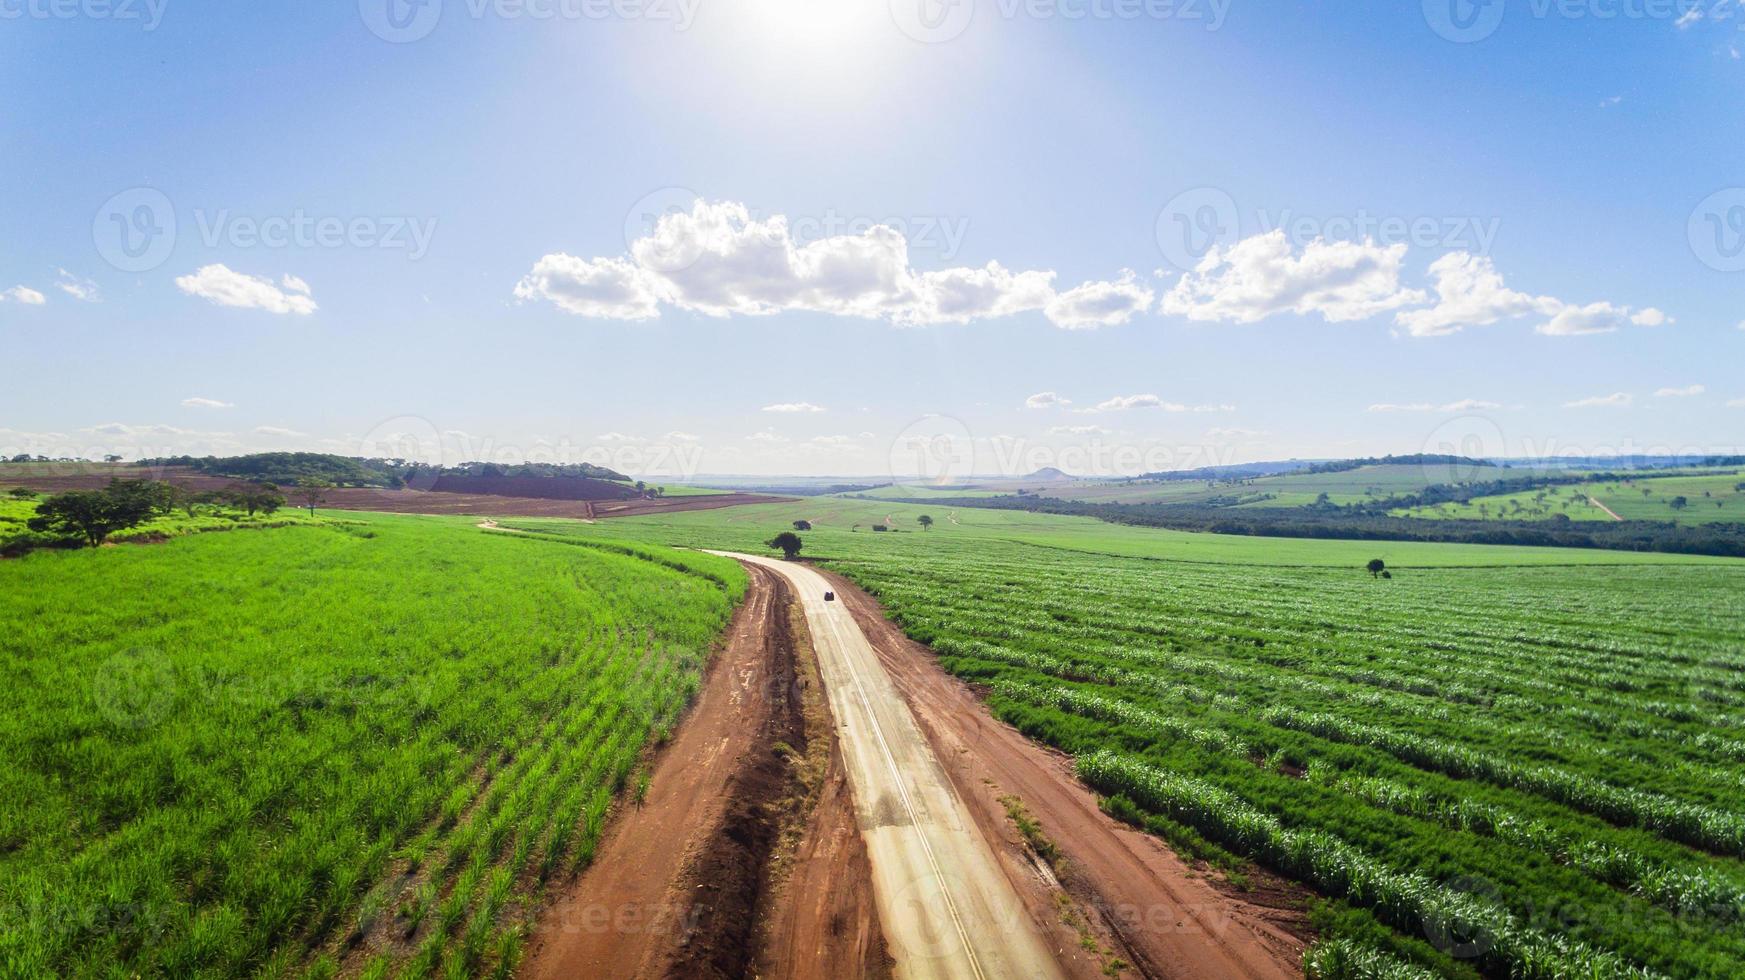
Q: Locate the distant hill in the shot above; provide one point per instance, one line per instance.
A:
(1048, 474)
(355, 471)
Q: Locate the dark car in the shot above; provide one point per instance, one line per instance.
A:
(829, 597)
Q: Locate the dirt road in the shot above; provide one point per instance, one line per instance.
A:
(946, 907)
(681, 884)
(1596, 502)
(1167, 919)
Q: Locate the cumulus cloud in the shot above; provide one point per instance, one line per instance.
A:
(1263, 276)
(1099, 304)
(1470, 293)
(275, 430)
(1122, 403)
(792, 408)
(1618, 400)
(23, 294)
(1045, 399)
(198, 402)
(608, 289)
(718, 260)
(219, 284)
(83, 290)
(1078, 430)
(1464, 405)
(1688, 391)
(1601, 317)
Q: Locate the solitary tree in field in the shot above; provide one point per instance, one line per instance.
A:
(1376, 567)
(312, 490)
(802, 525)
(1679, 503)
(96, 514)
(251, 497)
(925, 522)
(788, 542)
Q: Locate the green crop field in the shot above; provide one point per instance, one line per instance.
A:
(1500, 762)
(356, 747)
(1707, 499)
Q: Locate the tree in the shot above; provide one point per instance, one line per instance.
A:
(21, 493)
(802, 525)
(1376, 567)
(251, 497)
(1679, 503)
(96, 514)
(312, 490)
(111, 458)
(788, 542)
(925, 522)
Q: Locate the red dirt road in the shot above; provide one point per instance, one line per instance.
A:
(681, 886)
(1171, 921)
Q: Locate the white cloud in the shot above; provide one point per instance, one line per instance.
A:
(23, 294)
(1688, 18)
(1099, 304)
(1470, 293)
(1126, 402)
(1619, 400)
(1464, 405)
(1261, 276)
(790, 408)
(1736, 403)
(274, 430)
(294, 284)
(1045, 399)
(767, 435)
(1601, 317)
(1688, 391)
(677, 436)
(1078, 430)
(83, 290)
(1610, 100)
(716, 259)
(219, 284)
(607, 289)
(198, 402)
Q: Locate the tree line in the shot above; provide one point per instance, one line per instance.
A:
(90, 517)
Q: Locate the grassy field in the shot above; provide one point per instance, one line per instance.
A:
(1500, 762)
(1708, 499)
(296, 751)
(842, 527)
(1361, 485)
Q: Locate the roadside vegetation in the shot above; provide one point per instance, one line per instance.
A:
(358, 748)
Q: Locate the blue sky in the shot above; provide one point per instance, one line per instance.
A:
(434, 237)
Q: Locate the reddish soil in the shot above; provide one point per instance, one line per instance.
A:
(1167, 919)
(541, 487)
(682, 885)
(56, 478)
